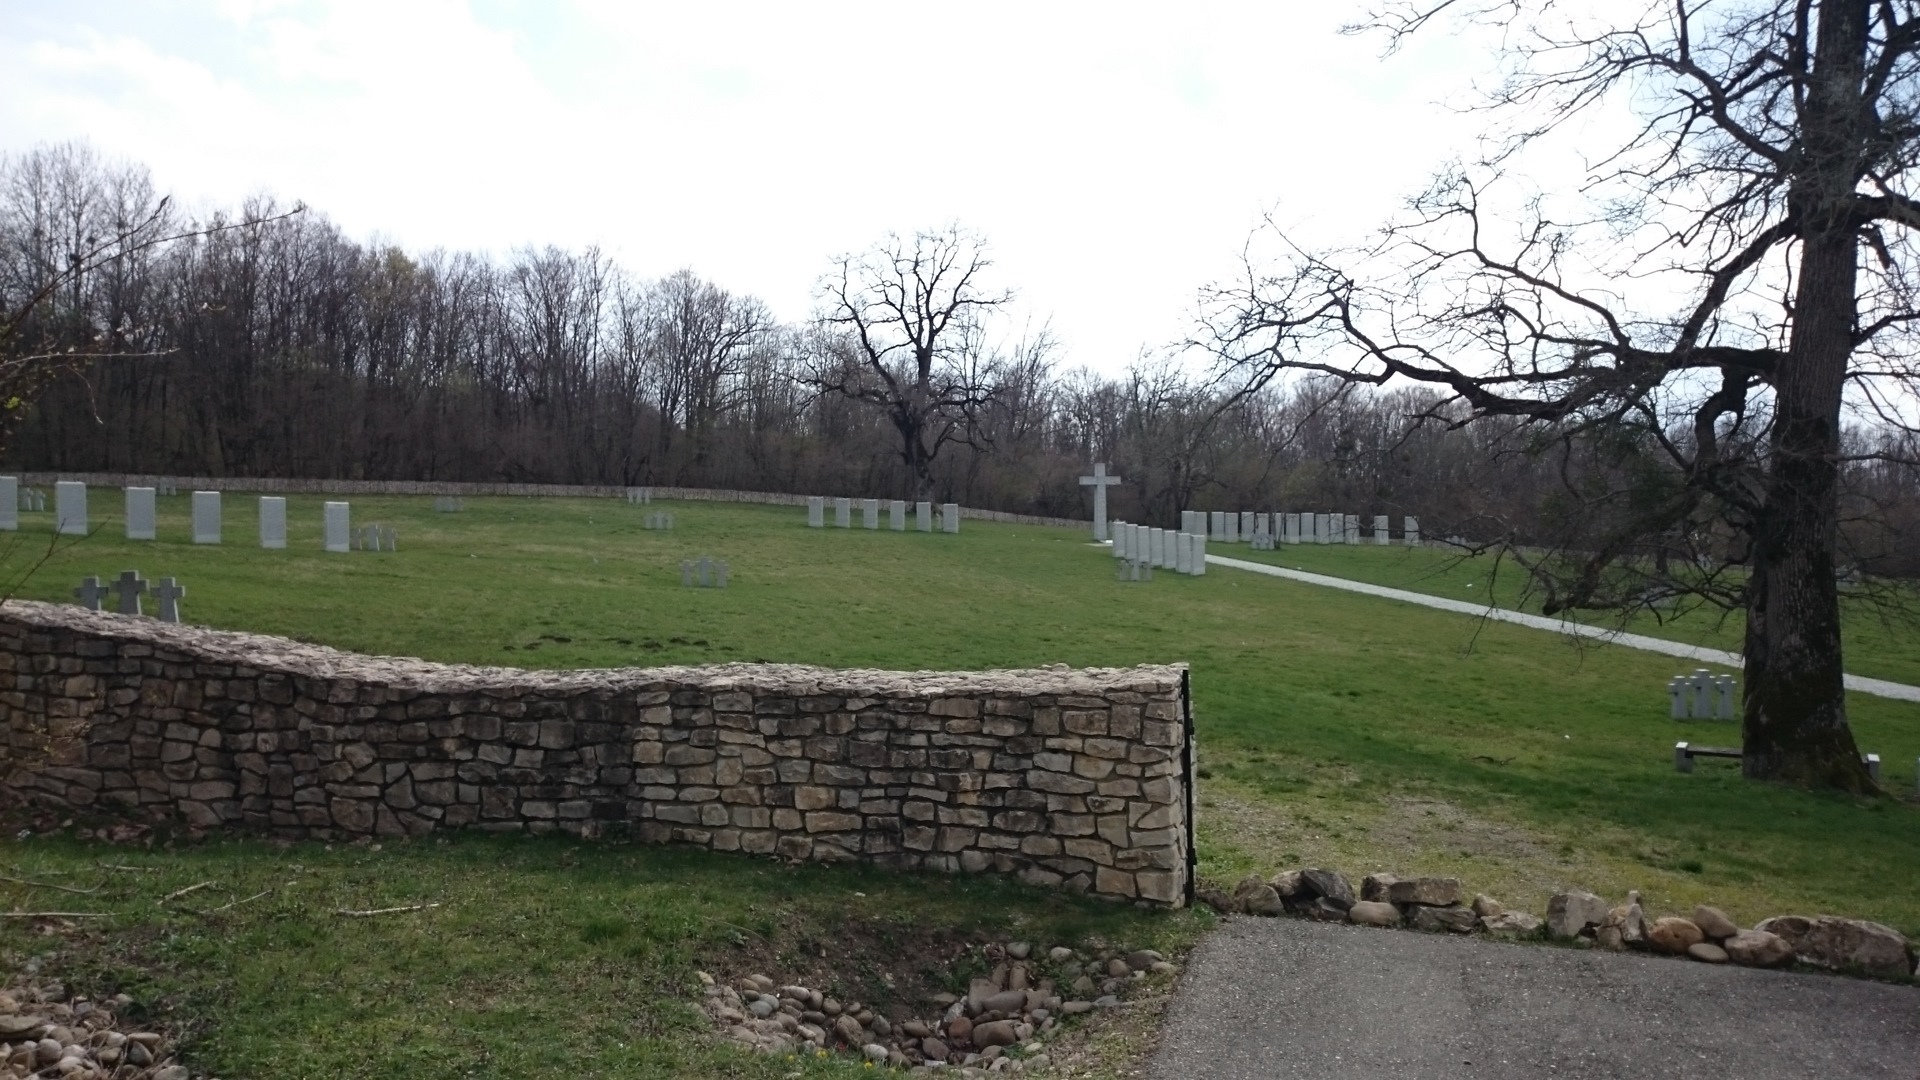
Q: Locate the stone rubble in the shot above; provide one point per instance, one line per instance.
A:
(1003, 1023)
(44, 1033)
(1709, 936)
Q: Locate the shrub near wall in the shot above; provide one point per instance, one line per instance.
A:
(1062, 777)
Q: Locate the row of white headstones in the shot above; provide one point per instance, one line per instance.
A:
(1162, 549)
(923, 514)
(70, 517)
(1254, 528)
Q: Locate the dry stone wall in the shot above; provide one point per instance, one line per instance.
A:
(1071, 778)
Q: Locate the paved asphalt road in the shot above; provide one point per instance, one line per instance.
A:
(1270, 998)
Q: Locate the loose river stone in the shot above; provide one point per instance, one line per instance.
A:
(995, 1033)
(933, 1049)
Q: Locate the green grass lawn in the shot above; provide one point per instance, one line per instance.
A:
(1333, 729)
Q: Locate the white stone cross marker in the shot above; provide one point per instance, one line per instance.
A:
(339, 535)
(843, 513)
(1381, 534)
(206, 517)
(816, 512)
(168, 594)
(923, 516)
(950, 517)
(90, 593)
(140, 514)
(129, 586)
(897, 515)
(273, 522)
(9, 503)
(870, 513)
(1099, 482)
(70, 508)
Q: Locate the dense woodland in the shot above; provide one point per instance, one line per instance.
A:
(265, 342)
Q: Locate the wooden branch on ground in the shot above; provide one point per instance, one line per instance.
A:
(234, 904)
(49, 885)
(178, 893)
(54, 914)
(384, 910)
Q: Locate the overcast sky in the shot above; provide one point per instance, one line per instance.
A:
(1115, 156)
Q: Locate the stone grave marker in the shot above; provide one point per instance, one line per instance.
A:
(1290, 528)
(870, 513)
(705, 572)
(1246, 525)
(1119, 530)
(1353, 528)
(1232, 522)
(923, 516)
(950, 517)
(1216, 528)
(91, 593)
(639, 496)
(1133, 570)
(1262, 541)
(206, 517)
(1182, 553)
(9, 503)
(390, 536)
(1199, 554)
(70, 508)
(167, 594)
(897, 515)
(339, 531)
(1412, 531)
(816, 512)
(36, 500)
(843, 513)
(1099, 482)
(1381, 533)
(129, 586)
(273, 522)
(140, 513)
(453, 504)
(657, 519)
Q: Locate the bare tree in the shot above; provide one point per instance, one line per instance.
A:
(911, 314)
(1730, 277)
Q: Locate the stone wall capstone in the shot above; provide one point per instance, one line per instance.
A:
(1069, 778)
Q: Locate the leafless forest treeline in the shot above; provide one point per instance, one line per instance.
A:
(285, 348)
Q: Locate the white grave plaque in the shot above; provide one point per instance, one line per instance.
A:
(70, 508)
(140, 515)
(339, 528)
(950, 517)
(897, 515)
(1199, 554)
(206, 517)
(1353, 528)
(923, 516)
(843, 513)
(1381, 533)
(1119, 539)
(816, 512)
(1412, 527)
(1183, 552)
(273, 522)
(9, 503)
(870, 513)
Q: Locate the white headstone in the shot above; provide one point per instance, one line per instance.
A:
(1412, 526)
(273, 522)
(140, 515)
(816, 512)
(1119, 530)
(9, 503)
(1246, 525)
(843, 513)
(1290, 528)
(1321, 530)
(1183, 552)
(1233, 527)
(1353, 528)
(1199, 554)
(897, 515)
(923, 516)
(1381, 533)
(950, 517)
(1099, 482)
(206, 517)
(70, 508)
(870, 513)
(1262, 523)
(1157, 547)
(339, 527)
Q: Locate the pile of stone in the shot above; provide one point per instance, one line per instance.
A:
(1440, 904)
(1002, 1023)
(44, 1034)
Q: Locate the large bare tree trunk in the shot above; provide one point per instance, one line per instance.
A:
(1796, 719)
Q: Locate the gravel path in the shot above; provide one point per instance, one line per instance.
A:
(1876, 687)
(1265, 998)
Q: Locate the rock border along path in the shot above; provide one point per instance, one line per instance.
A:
(1877, 687)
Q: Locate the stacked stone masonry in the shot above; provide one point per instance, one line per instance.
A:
(1070, 778)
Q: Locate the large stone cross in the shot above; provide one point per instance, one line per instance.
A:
(130, 586)
(1099, 482)
(169, 594)
(90, 593)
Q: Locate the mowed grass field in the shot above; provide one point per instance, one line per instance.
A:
(1334, 729)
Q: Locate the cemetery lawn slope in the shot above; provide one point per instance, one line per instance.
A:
(1333, 729)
